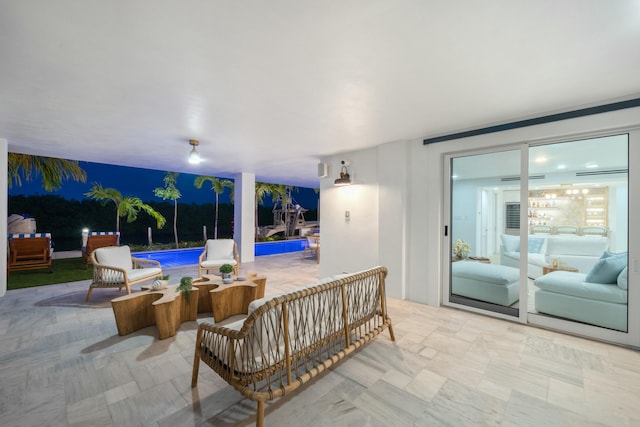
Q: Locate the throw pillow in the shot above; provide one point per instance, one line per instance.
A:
(510, 243)
(607, 268)
(623, 279)
(534, 244)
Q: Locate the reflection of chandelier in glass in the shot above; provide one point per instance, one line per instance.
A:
(577, 191)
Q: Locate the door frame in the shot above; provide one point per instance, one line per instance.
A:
(629, 338)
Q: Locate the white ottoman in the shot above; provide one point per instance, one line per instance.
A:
(494, 283)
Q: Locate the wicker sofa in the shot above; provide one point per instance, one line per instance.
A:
(286, 340)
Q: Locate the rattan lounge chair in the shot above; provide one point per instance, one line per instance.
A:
(217, 252)
(312, 247)
(114, 267)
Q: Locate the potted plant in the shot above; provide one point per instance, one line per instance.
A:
(225, 271)
(186, 284)
(461, 249)
(160, 283)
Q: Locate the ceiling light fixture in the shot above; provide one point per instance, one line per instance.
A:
(194, 157)
(345, 178)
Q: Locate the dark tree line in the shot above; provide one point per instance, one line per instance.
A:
(65, 219)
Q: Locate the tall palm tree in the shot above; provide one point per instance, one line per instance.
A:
(53, 170)
(217, 185)
(125, 206)
(171, 192)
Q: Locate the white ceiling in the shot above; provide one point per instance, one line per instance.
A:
(271, 86)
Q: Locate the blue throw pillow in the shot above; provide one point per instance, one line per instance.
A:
(623, 279)
(534, 244)
(607, 268)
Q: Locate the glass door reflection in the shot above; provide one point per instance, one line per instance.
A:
(485, 227)
(578, 231)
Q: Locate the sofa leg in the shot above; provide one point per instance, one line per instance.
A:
(393, 337)
(89, 294)
(196, 359)
(260, 414)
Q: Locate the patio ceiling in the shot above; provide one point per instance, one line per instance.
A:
(271, 87)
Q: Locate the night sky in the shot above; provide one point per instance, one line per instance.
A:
(140, 183)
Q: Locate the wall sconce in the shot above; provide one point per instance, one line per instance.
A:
(345, 178)
(194, 156)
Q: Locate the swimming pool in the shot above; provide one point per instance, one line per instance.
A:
(179, 257)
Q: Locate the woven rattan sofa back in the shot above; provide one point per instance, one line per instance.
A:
(288, 339)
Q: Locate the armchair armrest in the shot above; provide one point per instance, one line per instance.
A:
(236, 255)
(104, 274)
(144, 263)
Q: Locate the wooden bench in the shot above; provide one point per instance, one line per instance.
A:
(287, 340)
(95, 241)
(29, 254)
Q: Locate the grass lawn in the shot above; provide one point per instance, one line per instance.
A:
(64, 270)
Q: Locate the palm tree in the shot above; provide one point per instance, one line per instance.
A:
(172, 193)
(263, 189)
(217, 185)
(125, 206)
(53, 170)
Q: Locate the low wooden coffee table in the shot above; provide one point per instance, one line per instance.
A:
(166, 308)
(472, 258)
(549, 268)
(226, 300)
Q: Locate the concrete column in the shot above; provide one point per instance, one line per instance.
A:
(4, 190)
(244, 215)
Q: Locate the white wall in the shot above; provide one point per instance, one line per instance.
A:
(396, 204)
(3, 214)
(350, 244)
(392, 215)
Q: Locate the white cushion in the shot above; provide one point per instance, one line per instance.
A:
(584, 246)
(492, 273)
(570, 283)
(119, 257)
(217, 262)
(141, 273)
(510, 243)
(220, 249)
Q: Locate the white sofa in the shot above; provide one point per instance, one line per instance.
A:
(598, 298)
(581, 252)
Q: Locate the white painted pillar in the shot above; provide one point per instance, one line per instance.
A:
(244, 189)
(4, 190)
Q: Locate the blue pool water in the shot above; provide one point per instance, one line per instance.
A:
(180, 257)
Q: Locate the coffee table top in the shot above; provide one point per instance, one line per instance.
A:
(549, 268)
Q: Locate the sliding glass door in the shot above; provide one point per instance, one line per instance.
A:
(578, 228)
(545, 241)
(484, 214)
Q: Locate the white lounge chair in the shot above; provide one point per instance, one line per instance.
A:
(218, 252)
(114, 267)
(312, 246)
